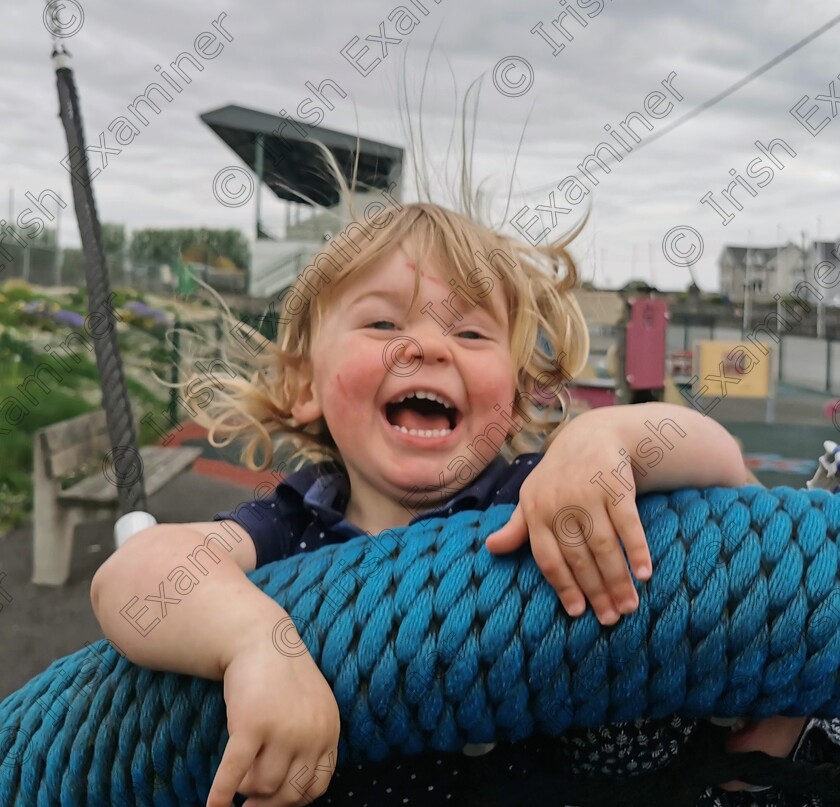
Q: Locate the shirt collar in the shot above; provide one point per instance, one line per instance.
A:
(325, 487)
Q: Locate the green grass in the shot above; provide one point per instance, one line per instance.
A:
(62, 399)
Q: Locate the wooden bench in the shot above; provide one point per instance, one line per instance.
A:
(78, 444)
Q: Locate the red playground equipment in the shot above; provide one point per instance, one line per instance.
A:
(640, 355)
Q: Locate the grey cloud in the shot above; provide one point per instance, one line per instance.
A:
(164, 177)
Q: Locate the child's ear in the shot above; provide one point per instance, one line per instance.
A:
(306, 408)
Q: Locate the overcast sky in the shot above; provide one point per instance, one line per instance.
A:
(164, 178)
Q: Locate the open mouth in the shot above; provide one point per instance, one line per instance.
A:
(422, 414)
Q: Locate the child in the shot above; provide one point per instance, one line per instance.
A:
(415, 392)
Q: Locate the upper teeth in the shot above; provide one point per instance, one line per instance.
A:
(432, 396)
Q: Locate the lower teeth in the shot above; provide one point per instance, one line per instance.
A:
(423, 432)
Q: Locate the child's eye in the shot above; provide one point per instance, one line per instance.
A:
(475, 334)
(379, 322)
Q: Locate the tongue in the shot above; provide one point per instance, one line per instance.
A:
(412, 419)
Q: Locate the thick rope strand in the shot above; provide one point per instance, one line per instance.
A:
(429, 642)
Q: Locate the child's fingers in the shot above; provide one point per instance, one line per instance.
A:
(236, 762)
(554, 568)
(511, 536)
(593, 555)
(606, 551)
(626, 521)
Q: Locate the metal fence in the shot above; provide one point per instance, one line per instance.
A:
(803, 361)
(52, 266)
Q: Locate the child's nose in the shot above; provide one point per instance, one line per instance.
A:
(434, 344)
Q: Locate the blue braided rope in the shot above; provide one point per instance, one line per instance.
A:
(429, 642)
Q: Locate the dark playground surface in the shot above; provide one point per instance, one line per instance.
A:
(41, 624)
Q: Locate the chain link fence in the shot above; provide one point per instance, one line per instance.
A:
(50, 266)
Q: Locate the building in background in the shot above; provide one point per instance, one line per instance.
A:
(281, 154)
(822, 252)
(776, 270)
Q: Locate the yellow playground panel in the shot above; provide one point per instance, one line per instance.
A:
(734, 370)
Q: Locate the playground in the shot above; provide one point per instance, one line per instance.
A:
(781, 428)
(451, 650)
(41, 624)
(629, 363)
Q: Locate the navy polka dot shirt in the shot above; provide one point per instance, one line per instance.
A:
(306, 511)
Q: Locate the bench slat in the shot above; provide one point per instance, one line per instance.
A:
(160, 465)
(73, 443)
(62, 435)
(64, 462)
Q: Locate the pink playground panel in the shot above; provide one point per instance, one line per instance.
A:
(645, 363)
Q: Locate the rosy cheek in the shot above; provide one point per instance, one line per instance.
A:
(492, 390)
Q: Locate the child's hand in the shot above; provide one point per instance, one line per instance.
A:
(574, 524)
(283, 723)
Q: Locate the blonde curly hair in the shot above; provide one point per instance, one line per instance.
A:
(549, 339)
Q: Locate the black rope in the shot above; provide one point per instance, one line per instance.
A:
(127, 469)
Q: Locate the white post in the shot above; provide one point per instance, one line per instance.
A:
(650, 264)
(745, 326)
(778, 277)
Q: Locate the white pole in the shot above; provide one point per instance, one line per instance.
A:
(821, 301)
(779, 289)
(770, 413)
(747, 313)
(650, 262)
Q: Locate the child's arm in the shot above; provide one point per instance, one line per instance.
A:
(213, 622)
(672, 447)
(581, 497)
(197, 631)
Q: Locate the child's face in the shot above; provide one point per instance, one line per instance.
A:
(371, 351)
